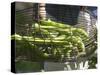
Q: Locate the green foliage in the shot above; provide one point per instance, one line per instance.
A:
(92, 62)
(52, 40)
(27, 66)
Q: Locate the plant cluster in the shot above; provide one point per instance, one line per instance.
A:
(51, 41)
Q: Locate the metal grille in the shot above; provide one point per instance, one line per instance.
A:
(64, 14)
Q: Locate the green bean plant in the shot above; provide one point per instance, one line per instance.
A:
(51, 41)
